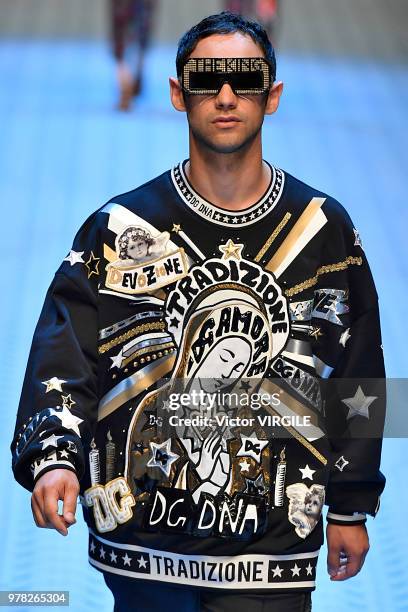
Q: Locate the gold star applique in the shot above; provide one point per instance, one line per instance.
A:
(93, 265)
(316, 332)
(230, 249)
(176, 228)
(68, 401)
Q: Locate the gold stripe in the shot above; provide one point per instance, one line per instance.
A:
(148, 349)
(295, 233)
(335, 267)
(154, 374)
(109, 253)
(131, 333)
(272, 237)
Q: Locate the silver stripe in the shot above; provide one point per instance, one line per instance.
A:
(128, 386)
(191, 244)
(304, 359)
(144, 343)
(304, 328)
(300, 347)
(115, 327)
(322, 369)
(134, 298)
(357, 516)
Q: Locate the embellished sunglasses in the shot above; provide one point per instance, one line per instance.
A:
(245, 75)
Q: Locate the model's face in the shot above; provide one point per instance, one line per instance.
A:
(225, 122)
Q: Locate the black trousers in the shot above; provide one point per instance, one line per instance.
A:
(146, 596)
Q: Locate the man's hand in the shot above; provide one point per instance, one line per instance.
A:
(54, 485)
(349, 541)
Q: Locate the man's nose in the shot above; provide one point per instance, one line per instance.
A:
(226, 98)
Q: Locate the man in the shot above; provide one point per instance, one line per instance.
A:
(256, 281)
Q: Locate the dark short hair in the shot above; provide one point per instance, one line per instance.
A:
(224, 23)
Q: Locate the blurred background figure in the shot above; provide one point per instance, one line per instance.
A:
(265, 11)
(131, 27)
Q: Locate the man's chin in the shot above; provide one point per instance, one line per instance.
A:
(227, 147)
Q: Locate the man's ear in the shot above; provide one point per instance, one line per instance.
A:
(176, 94)
(274, 95)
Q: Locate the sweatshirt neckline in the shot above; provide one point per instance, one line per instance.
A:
(221, 216)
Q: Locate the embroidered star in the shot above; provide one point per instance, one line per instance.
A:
(359, 404)
(72, 447)
(92, 546)
(245, 465)
(295, 570)
(68, 420)
(174, 322)
(230, 249)
(341, 463)
(64, 453)
(93, 265)
(316, 332)
(74, 257)
(307, 472)
(357, 239)
(309, 569)
(163, 457)
(251, 446)
(50, 441)
(102, 552)
(117, 360)
(344, 337)
(277, 571)
(166, 406)
(53, 383)
(68, 401)
(176, 228)
(126, 559)
(142, 562)
(113, 557)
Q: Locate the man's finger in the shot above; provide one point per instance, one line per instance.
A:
(37, 514)
(53, 519)
(353, 566)
(333, 559)
(70, 503)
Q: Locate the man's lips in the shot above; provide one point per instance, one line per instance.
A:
(230, 119)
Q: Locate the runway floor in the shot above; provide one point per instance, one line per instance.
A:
(342, 127)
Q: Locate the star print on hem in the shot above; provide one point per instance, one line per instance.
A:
(163, 290)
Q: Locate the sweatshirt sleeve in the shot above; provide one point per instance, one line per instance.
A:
(347, 311)
(58, 404)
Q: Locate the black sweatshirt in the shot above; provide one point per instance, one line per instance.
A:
(165, 296)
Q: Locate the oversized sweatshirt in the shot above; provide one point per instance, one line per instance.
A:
(213, 377)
